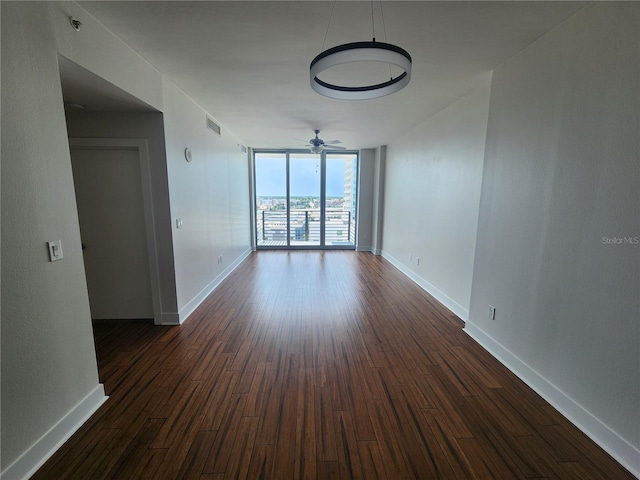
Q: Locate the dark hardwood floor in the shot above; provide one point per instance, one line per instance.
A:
(317, 365)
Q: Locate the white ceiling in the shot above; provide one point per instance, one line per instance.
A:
(247, 63)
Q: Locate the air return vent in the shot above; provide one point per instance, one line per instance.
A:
(211, 125)
(243, 148)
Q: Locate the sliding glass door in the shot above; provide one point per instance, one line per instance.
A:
(340, 204)
(272, 217)
(305, 200)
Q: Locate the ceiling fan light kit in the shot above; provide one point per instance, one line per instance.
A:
(318, 145)
(361, 52)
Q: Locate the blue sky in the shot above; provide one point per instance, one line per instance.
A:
(305, 176)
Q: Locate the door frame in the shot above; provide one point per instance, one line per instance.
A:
(140, 145)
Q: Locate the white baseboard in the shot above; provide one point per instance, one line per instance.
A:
(432, 290)
(369, 248)
(606, 438)
(195, 302)
(170, 319)
(31, 460)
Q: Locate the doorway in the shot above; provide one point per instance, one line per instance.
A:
(111, 180)
(305, 200)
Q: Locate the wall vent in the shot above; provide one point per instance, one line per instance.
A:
(211, 125)
(243, 148)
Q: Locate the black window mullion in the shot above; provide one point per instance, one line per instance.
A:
(288, 204)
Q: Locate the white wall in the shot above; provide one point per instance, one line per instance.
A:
(371, 199)
(377, 225)
(431, 198)
(148, 126)
(562, 171)
(49, 371)
(366, 172)
(210, 194)
(49, 374)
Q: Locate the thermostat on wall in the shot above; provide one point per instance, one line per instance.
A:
(187, 154)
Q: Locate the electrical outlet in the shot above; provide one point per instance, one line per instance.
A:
(178, 223)
(491, 313)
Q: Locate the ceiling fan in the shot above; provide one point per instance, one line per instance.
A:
(317, 145)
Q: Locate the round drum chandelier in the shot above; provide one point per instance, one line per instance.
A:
(361, 52)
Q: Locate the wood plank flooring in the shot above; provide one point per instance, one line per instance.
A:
(323, 365)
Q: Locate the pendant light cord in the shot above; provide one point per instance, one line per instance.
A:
(384, 28)
(328, 25)
(384, 31)
(373, 24)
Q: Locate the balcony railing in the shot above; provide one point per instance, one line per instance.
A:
(305, 227)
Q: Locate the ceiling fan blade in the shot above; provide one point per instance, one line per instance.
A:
(332, 142)
(335, 147)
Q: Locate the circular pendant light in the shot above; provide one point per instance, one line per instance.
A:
(361, 52)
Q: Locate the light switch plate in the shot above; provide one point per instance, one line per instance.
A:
(55, 250)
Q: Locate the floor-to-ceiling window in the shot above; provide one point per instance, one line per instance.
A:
(305, 200)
